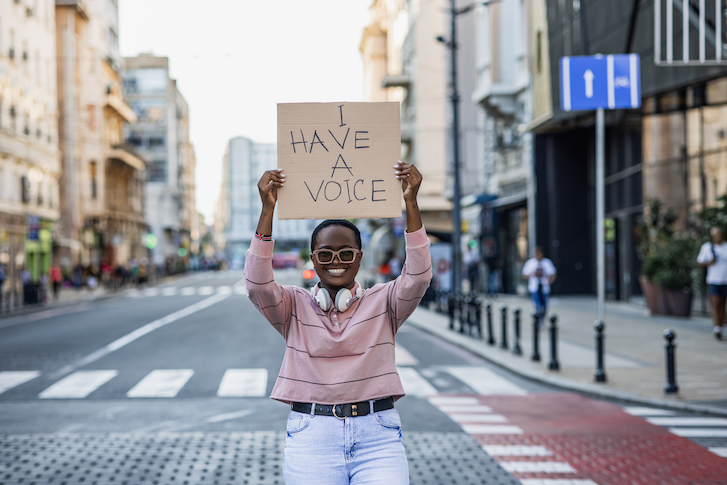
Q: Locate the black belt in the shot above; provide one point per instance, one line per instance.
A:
(344, 410)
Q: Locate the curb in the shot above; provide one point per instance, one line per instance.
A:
(592, 390)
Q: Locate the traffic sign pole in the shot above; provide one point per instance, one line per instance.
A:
(600, 210)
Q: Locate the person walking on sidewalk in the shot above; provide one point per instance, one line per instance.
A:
(713, 256)
(338, 372)
(540, 273)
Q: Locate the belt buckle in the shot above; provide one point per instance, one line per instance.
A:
(343, 418)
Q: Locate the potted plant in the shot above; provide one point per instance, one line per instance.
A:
(669, 263)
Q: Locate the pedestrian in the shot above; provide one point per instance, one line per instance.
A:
(492, 263)
(713, 256)
(540, 273)
(338, 372)
(472, 259)
(55, 279)
(3, 277)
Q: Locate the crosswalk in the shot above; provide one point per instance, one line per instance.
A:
(206, 290)
(702, 429)
(252, 382)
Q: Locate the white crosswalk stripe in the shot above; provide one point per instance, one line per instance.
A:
(643, 411)
(403, 356)
(720, 451)
(205, 290)
(486, 382)
(224, 290)
(455, 408)
(537, 467)
(688, 421)
(478, 418)
(188, 291)
(555, 481)
(700, 432)
(161, 383)
(244, 383)
(516, 450)
(78, 385)
(492, 429)
(151, 292)
(414, 384)
(13, 378)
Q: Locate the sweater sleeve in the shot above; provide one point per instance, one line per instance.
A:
(408, 289)
(273, 301)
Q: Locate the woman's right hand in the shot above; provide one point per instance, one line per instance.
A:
(268, 186)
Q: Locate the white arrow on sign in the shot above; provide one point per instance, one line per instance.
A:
(588, 76)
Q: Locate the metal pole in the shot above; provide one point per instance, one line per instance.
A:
(456, 230)
(600, 206)
(671, 379)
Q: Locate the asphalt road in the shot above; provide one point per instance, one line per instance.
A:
(193, 360)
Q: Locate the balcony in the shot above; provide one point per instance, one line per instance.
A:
(123, 153)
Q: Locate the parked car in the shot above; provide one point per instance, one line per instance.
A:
(309, 276)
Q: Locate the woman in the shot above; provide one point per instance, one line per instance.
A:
(713, 256)
(338, 372)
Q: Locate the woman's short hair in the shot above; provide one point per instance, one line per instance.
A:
(334, 222)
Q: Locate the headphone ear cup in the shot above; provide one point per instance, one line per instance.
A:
(342, 297)
(323, 299)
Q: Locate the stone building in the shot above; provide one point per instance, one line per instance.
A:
(161, 135)
(30, 162)
(102, 198)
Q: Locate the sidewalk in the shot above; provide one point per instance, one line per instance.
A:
(635, 357)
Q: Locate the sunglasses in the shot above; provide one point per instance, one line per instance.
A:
(325, 256)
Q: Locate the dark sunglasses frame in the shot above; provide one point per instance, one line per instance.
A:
(336, 254)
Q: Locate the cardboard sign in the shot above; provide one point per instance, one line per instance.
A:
(338, 160)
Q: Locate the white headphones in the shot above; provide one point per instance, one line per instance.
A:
(344, 298)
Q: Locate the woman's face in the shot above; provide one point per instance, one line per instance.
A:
(336, 275)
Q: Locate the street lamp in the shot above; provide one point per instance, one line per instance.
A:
(454, 99)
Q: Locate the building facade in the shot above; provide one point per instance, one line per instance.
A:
(102, 197)
(239, 204)
(30, 162)
(161, 135)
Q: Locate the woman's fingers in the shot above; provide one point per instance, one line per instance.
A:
(271, 178)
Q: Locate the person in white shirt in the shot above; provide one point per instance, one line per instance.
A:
(540, 273)
(713, 256)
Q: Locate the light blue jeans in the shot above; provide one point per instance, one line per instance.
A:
(325, 450)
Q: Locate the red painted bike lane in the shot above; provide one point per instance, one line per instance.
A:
(564, 438)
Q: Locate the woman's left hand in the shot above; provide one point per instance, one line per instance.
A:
(410, 178)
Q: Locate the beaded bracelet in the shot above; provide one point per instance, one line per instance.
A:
(263, 238)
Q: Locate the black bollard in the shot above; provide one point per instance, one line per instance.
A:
(464, 314)
(503, 321)
(554, 364)
(600, 373)
(478, 317)
(490, 332)
(516, 350)
(671, 377)
(450, 309)
(535, 356)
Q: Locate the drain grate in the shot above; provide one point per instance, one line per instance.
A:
(214, 458)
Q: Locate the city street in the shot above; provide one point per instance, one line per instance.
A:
(168, 384)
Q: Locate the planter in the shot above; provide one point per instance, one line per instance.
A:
(654, 297)
(662, 301)
(679, 303)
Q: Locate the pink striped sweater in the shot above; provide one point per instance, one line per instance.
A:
(338, 357)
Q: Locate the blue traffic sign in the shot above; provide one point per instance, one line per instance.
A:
(591, 82)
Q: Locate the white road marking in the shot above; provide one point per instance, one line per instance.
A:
(78, 385)
(537, 467)
(188, 291)
(151, 292)
(414, 384)
(700, 432)
(239, 290)
(228, 416)
(643, 411)
(516, 450)
(555, 481)
(688, 421)
(133, 293)
(138, 333)
(205, 290)
(478, 418)
(486, 382)
(717, 450)
(13, 378)
(452, 400)
(171, 291)
(243, 382)
(403, 356)
(224, 290)
(492, 429)
(453, 408)
(161, 383)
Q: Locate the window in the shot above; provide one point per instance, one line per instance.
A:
(155, 142)
(539, 51)
(91, 117)
(92, 173)
(24, 189)
(156, 171)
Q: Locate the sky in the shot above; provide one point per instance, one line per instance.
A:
(234, 60)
